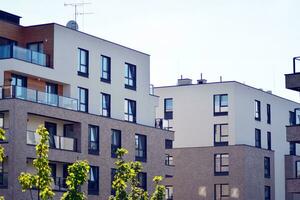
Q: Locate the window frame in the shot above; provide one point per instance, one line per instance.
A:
(94, 191)
(81, 72)
(297, 172)
(257, 138)
(293, 148)
(108, 71)
(269, 140)
(143, 139)
(168, 113)
(114, 147)
(222, 196)
(220, 171)
(113, 172)
(86, 97)
(106, 108)
(128, 115)
(131, 71)
(269, 114)
(220, 106)
(267, 192)
(168, 144)
(142, 184)
(221, 143)
(169, 192)
(257, 107)
(169, 160)
(97, 142)
(267, 167)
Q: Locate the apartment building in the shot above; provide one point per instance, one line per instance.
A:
(91, 94)
(229, 140)
(292, 161)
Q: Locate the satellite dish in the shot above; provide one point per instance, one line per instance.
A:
(72, 25)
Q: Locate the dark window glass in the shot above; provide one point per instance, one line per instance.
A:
(52, 129)
(51, 94)
(257, 138)
(297, 169)
(1, 120)
(268, 113)
(93, 183)
(36, 46)
(83, 99)
(257, 110)
(169, 192)
(292, 148)
(113, 173)
(221, 191)
(267, 193)
(292, 118)
(221, 164)
(168, 108)
(267, 167)
(220, 104)
(130, 110)
(269, 140)
(142, 179)
(105, 69)
(221, 134)
(130, 76)
(115, 142)
(105, 105)
(93, 139)
(83, 62)
(169, 161)
(140, 147)
(169, 144)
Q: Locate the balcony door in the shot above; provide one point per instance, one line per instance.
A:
(52, 129)
(51, 94)
(19, 84)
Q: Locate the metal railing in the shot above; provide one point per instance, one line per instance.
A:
(55, 142)
(12, 51)
(59, 184)
(3, 179)
(38, 97)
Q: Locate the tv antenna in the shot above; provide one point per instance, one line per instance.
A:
(76, 12)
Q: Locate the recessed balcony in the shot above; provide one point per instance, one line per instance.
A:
(292, 81)
(293, 185)
(293, 130)
(24, 93)
(27, 55)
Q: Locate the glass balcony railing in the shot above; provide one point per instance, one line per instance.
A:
(162, 124)
(12, 51)
(39, 97)
(55, 142)
(3, 179)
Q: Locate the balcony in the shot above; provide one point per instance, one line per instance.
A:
(3, 179)
(27, 55)
(292, 81)
(162, 124)
(55, 142)
(293, 130)
(38, 97)
(293, 185)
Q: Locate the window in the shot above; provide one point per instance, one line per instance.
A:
(115, 142)
(292, 118)
(169, 192)
(19, 83)
(221, 164)
(297, 169)
(83, 62)
(2, 175)
(130, 76)
(113, 173)
(221, 191)
(93, 183)
(1, 120)
(268, 113)
(267, 193)
(93, 139)
(142, 179)
(105, 105)
(168, 108)
(105, 69)
(140, 147)
(83, 99)
(257, 138)
(221, 134)
(36, 46)
(130, 110)
(169, 161)
(292, 148)
(257, 110)
(269, 140)
(51, 94)
(220, 104)
(169, 144)
(267, 167)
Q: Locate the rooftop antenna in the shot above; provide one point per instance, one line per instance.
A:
(76, 12)
(221, 79)
(201, 76)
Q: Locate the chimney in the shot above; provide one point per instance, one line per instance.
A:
(201, 80)
(184, 81)
(10, 18)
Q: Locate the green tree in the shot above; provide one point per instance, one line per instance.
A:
(77, 176)
(42, 180)
(2, 153)
(126, 184)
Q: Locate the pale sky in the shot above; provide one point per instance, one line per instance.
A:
(250, 41)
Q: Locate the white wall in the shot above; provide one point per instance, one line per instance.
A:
(193, 119)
